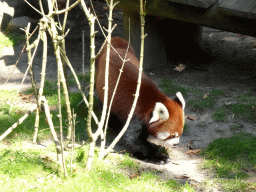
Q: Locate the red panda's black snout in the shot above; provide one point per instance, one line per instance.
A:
(155, 115)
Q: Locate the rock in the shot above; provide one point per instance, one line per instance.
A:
(6, 14)
(19, 22)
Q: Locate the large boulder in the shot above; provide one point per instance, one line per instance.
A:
(19, 22)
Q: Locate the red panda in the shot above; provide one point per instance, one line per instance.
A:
(155, 114)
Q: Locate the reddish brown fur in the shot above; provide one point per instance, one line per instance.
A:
(149, 93)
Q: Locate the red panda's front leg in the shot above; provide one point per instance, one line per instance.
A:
(135, 138)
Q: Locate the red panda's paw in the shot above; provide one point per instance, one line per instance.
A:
(161, 158)
(152, 157)
(158, 158)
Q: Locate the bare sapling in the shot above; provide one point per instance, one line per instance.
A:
(63, 48)
(93, 137)
(61, 127)
(57, 39)
(136, 96)
(42, 31)
(103, 142)
(48, 23)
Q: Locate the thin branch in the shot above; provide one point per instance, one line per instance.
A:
(41, 88)
(102, 151)
(8, 131)
(60, 120)
(68, 8)
(138, 83)
(33, 7)
(25, 75)
(64, 78)
(49, 120)
(79, 85)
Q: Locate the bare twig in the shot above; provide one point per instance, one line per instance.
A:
(79, 86)
(103, 142)
(15, 65)
(68, 8)
(83, 67)
(30, 61)
(60, 120)
(44, 38)
(109, 149)
(93, 137)
(49, 120)
(33, 7)
(8, 131)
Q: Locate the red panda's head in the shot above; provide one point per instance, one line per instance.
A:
(167, 121)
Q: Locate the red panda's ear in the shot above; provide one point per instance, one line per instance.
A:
(179, 99)
(159, 112)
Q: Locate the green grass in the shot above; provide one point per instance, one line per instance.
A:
(241, 110)
(235, 128)
(231, 159)
(235, 185)
(26, 129)
(220, 115)
(208, 102)
(72, 81)
(26, 169)
(170, 86)
(10, 40)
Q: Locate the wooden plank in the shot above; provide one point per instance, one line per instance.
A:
(223, 17)
(248, 6)
(196, 3)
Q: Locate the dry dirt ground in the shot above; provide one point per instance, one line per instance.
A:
(227, 49)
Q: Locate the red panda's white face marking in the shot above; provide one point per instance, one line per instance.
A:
(167, 125)
(163, 135)
(173, 141)
(160, 112)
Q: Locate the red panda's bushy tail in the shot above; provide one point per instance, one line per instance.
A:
(117, 43)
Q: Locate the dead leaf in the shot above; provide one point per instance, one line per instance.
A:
(134, 176)
(193, 151)
(181, 176)
(180, 68)
(26, 97)
(174, 163)
(228, 103)
(192, 118)
(206, 95)
(12, 158)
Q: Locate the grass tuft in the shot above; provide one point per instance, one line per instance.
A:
(170, 86)
(208, 102)
(10, 40)
(232, 157)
